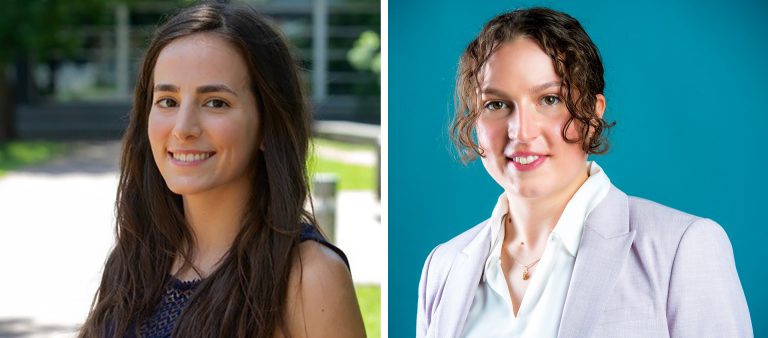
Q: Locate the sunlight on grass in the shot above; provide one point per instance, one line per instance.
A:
(17, 154)
(321, 142)
(369, 297)
(350, 176)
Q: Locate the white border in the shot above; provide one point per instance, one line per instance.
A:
(385, 164)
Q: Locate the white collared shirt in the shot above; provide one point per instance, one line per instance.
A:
(491, 313)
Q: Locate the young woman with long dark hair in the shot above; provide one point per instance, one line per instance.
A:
(213, 239)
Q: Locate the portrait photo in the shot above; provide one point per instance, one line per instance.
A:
(469, 129)
(187, 168)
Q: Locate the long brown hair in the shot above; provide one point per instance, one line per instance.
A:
(574, 56)
(246, 294)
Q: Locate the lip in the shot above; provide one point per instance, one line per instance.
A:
(530, 166)
(173, 160)
(521, 153)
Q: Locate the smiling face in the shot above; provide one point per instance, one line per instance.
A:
(520, 123)
(203, 123)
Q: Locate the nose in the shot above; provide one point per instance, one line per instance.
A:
(187, 124)
(525, 124)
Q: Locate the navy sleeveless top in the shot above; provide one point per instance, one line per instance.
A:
(177, 293)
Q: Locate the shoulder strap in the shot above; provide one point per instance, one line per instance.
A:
(309, 232)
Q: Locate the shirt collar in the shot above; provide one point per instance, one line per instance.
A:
(569, 226)
(497, 232)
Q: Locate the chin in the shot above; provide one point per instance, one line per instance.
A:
(183, 188)
(526, 190)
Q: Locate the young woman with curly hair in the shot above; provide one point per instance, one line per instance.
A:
(564, 252)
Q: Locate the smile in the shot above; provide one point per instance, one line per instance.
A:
(526, 162)
(191, 157)
(525, 159)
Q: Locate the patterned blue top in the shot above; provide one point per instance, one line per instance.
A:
(177, 293)
(175, 297)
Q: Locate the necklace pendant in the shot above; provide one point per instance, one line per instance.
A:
(525, 274)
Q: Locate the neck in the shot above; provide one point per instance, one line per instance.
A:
(214, 217)
(531, 220)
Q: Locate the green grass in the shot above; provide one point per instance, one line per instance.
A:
(321, 142)
(369, 297)
(350, 176)
(17, 154)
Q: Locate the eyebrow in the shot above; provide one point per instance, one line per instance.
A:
(214, 89)
(543, 86)
(534, 89)
(166, 88)
(162, 87)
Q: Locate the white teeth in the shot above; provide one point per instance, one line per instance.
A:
(525, 159)
(191, 157)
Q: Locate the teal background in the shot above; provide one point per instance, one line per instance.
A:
(686, 82)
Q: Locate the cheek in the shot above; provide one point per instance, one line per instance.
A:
(554, 128)
(237, 134)
(491, 134)
(157, 130)
(572, 150)
(573, 131)
(225, 133)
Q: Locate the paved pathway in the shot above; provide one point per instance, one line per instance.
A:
(56, 228)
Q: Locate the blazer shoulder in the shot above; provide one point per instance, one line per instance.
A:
(446, 252)
(649, 217)
(685, 260)
(662, 229)
(440, 260)
(435, 274)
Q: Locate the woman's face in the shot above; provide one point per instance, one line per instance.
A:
(203, 122)
(522, 115)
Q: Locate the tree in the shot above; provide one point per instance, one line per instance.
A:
(366, 53)
(39, 30)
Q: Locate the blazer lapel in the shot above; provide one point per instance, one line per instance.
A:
(460, 286)
(604, 246)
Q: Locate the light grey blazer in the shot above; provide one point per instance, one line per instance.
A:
(642, 270)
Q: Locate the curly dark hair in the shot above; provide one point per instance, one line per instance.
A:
(576, 61)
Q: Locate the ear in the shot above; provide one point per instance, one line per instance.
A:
(599, 105)
(599, 109)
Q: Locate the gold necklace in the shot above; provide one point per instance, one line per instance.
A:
(526, 274)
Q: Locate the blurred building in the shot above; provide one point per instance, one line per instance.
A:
(85, 91)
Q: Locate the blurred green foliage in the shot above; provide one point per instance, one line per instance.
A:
(37, 27)
(366, 54)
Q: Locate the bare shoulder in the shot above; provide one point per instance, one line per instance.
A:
(316, 258)
(321, 300)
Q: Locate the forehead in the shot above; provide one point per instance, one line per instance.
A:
(517, 65)
(201, 58)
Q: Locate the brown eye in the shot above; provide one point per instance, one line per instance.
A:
(216, 103)
(496, 105)
(166, 103)
(550, 100)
